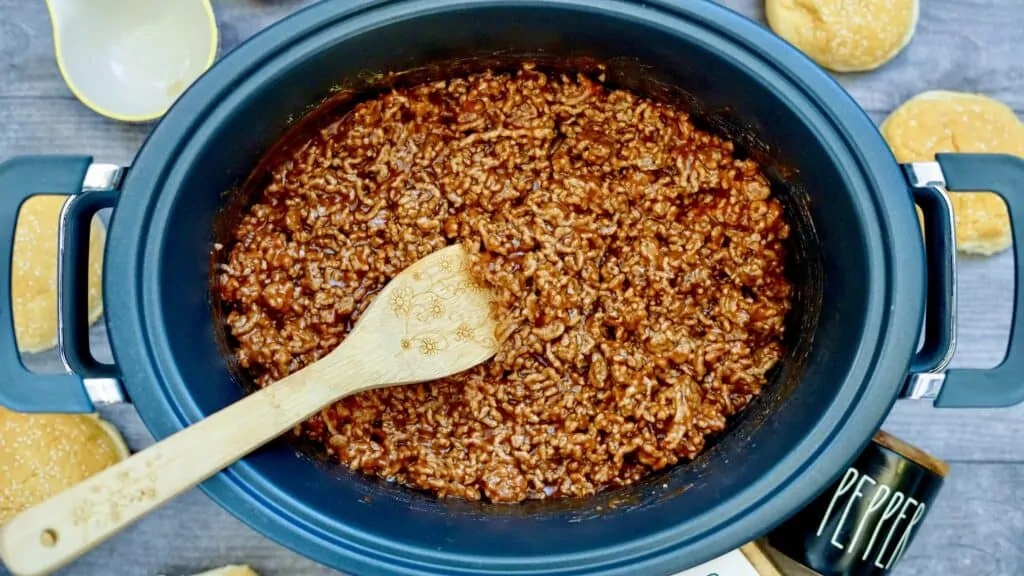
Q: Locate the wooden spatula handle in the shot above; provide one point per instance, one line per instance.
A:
(48, 536)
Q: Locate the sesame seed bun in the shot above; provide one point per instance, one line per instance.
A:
(34, 273)
(44, 454)
(845, 35)
(941, 121)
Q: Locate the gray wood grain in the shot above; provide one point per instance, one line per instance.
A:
(977, 525)
(26, 43)
(967, 45)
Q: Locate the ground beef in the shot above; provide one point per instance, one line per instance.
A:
(638, 265)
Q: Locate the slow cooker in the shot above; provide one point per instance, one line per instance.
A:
(874, 313)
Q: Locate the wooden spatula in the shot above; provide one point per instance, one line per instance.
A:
(430, 321)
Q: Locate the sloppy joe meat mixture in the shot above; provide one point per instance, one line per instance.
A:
(637, 263)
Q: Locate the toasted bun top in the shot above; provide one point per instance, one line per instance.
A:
(941, 121)
(845, 35)
(43, 454)
(34, 272)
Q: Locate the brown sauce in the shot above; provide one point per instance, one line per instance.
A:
(638, 264)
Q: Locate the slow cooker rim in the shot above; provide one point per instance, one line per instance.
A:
(163, 416)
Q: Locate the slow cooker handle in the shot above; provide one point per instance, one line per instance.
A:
(20, 389)
(1004, 384)
(73, 283)
(940, 250)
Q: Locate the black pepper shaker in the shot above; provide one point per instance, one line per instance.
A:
(863, 523)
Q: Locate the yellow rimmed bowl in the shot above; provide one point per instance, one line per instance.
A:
(130, 59)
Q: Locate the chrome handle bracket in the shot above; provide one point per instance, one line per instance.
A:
(98, 177)
(927, 385)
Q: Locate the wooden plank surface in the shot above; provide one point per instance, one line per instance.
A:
(977, 526)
